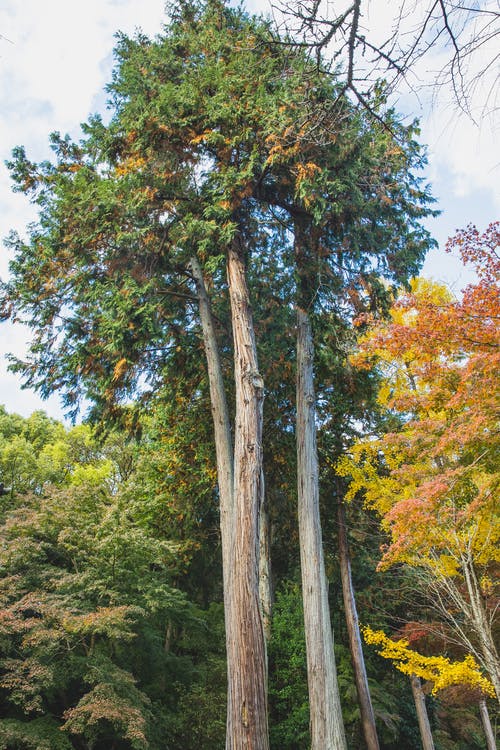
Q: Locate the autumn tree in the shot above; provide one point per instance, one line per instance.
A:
(439, 671)
(434, 479)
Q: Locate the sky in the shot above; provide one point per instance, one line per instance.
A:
(56, 58)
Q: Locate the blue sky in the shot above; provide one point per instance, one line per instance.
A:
(56, 57)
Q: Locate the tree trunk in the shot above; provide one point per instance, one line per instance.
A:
(327, 729)
(247, 727)
(351, 615)
(488, 729)
(481, 624)
(423, 719)
(220, 415)
(265, 584)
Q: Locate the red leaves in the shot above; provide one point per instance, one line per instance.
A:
(439, 358)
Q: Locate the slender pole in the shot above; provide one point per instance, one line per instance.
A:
(422, 716)
(326, 724)
(487, 728)
(355, 645)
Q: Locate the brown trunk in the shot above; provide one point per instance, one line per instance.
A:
(225, 474)
(327, 729)
(351, 615)
(487, 728)
(423, 719)
(247, 727)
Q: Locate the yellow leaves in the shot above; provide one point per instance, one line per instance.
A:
(307, 171)
(111, 621)
(197, 139)
(445, 565)
(487, 586)
(120, 369)
(132, 164)
(439, 670)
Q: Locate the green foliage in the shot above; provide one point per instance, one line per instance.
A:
(87, 597)
(288, 699)
(38, 734)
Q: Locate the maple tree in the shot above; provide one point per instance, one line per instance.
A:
(434, 479)
(439, 670)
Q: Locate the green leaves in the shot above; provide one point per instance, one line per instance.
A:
(112, 700)
(86, 596)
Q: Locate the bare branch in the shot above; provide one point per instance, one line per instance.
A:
(450, 27)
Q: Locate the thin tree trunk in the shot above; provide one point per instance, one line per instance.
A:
(220, 415)
(482, 625)
(225, 472)
(247, 727)
(223, 441)
(265, 584)
(327, 729)
(351, 615)
(423, 718)
(487, 728)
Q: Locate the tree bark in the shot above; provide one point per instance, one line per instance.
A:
(247, 727)
(487, 728)
(481, 624)
(355, 646)
(220, 416)
(327, 729)
(265, 583)
(423, 718)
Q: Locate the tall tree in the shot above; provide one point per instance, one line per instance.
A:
(207, 124)
(342, 196)
(434, 480)
(121, 214)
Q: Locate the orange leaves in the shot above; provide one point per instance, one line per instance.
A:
(434, 480)
(207, 135)
(307, 171)
(104, 703)
(480, 250)
(132, 164)
(120, 370)
(282, 146)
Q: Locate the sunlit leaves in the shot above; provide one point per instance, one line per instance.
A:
(82, 577)
(439, 670)
(435, 479)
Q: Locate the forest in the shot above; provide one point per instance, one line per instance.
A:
(276, 526)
